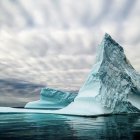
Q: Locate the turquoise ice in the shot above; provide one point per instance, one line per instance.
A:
(52, 98)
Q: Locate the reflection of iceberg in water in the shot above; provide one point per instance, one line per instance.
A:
(34, 126)
(113, 86)
(42, 126)
(115, 127)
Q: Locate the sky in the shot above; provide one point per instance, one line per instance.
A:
(53, 42)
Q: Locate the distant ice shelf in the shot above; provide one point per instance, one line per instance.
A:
(112, 87)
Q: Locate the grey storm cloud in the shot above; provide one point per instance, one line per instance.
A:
(54, 42)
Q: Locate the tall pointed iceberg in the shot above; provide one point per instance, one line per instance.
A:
(113, 85)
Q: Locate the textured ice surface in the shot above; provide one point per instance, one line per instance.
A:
(52, 98)
(113, 85)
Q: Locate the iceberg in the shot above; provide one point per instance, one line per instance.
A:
(52, 99)
(112, 87)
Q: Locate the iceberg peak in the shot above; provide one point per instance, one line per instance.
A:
(106, 36)
(109, 50)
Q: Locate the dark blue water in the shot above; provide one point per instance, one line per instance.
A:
(57, 127)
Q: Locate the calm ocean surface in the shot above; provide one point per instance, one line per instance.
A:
(58, 127)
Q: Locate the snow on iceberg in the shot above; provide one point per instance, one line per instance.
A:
(52, 98)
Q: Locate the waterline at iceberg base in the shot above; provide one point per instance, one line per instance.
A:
(112, 87)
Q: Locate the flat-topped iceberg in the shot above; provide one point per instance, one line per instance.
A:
(112, 86)
(52, 99)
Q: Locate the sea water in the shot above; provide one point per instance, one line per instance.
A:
(60, 127)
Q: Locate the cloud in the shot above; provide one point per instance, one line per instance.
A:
(54, 42)
(17, 92)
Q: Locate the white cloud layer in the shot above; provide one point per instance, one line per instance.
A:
(54, 42)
